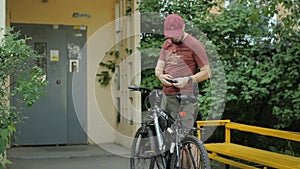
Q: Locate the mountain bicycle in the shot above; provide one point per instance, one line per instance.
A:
(160, 142)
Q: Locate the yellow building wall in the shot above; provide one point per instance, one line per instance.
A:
(2, 17)
(60, 12)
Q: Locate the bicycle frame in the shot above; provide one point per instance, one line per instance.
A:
(157, 111)
(176, 141)
(175, 131)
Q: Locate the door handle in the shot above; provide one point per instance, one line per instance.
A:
(58, 82)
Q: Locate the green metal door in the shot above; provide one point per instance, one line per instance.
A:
(53, 120)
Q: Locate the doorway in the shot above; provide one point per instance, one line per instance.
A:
(53, 120)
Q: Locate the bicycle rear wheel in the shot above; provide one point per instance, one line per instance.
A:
(193, 155)
(142, 156)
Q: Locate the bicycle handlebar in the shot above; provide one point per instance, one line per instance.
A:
(139, 88)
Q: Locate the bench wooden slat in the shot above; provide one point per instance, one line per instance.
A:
(265, 131)
(258, 156)
(216, 157)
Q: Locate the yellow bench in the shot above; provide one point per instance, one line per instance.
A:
(226, 152)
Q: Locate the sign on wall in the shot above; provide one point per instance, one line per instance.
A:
(54, 55)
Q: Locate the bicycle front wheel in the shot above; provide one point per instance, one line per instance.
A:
(193, 155)
(142, 156)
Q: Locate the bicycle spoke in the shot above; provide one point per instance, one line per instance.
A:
(141, 153)
(193, 155)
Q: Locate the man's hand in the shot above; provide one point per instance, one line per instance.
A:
(164, 79)
(167, 79)
(181, 82)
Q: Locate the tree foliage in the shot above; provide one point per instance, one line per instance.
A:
(258, 45)
(19, 76)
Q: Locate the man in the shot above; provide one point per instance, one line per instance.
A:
(180, 58)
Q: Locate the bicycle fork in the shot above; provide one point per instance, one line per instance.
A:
(159, 138)
(158, 132)
(178, 149)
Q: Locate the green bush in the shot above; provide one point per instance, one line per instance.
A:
(19, 76)
(260, 56)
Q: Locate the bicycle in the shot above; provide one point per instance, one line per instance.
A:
(149, 147)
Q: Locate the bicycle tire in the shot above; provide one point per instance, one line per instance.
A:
(141, 157)
(197, 155)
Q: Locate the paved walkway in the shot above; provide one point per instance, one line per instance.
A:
(104, 156)
(70, 151)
